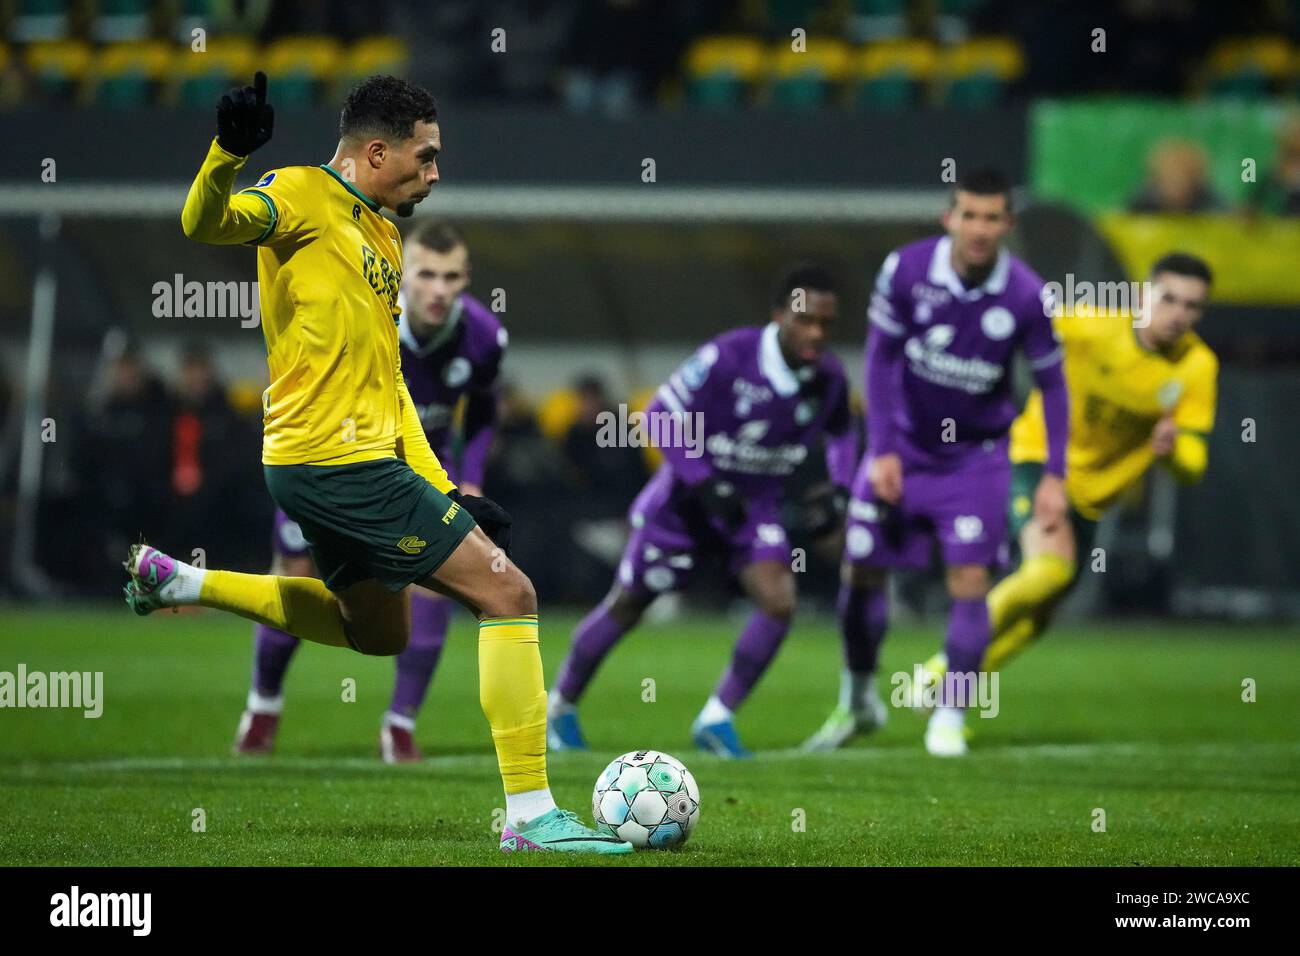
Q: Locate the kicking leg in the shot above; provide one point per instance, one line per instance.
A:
(512, 692)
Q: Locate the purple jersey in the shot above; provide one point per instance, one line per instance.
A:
(759, 419)
(939, 355)
(463, 358)
(759, 416)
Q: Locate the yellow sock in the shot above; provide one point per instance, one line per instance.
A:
(512, 691)
(303, 607)
(1010, 642)
(1015, 605)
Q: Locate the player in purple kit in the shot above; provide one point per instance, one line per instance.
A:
(750, 402)
(947, 316)
(451, 347)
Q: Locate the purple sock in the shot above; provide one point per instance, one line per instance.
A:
(272, 651)
(593, 639)
(864, 617)
(969, 633)
(758, 644)
(415, 665)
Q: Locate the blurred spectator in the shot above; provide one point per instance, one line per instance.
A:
(212, 469)
(1282, 185)
(607, 478)
(120, 460)
(1177, 181)
(619, 52)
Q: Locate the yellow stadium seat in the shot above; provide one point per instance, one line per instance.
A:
(1249, 66)
(976, 73)
(58, 66)
(371, 55)
(892, 74)
(719, 69)
(124, 74)
(804, 79)
(300, 67)
(201, 77)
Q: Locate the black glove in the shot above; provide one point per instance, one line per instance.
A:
(721, 502)
(488, 515)
(824, 510)
(245, 118)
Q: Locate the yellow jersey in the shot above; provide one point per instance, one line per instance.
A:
(328, 272)
(1119, 390)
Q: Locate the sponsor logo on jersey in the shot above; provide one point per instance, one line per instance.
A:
(931, 361)
(265, 180)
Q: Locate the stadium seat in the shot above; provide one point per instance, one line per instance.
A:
(301, 68)
(876, 20)
(201, 78)
(371, 55)
(40, 20)
(720, 69)
(891, 75)
(804, 80)
(1249, 68)
(976, 74)
(120, 20)
(785, 15)
(124, 75)
(58, 67)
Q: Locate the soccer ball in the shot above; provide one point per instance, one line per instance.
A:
(648, 799)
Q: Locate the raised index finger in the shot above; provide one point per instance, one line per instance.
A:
(259, 88)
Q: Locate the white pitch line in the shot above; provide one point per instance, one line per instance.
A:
(488, 761)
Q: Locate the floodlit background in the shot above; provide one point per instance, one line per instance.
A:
(632, 176)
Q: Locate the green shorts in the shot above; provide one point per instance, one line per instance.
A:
(1025, 476)
(372, 519)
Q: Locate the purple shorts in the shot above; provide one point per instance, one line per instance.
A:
(963, 506)
(287, 539)
(661, 553)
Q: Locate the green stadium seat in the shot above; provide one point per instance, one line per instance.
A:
(891, 75)
(805, 80)
(199, 79)
(36, 21)
(1249, 68)
(120, 20)
(720, 70)
(125, 75)
(368, 56)
(301, 68)
(977, 73)
(58, 67)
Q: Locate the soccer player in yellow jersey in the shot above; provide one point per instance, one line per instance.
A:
(344, 454)
(1141, 391)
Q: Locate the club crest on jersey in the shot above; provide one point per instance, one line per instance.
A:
(457, 373)
(997, 323)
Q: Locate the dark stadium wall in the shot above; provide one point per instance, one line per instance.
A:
(553, 147)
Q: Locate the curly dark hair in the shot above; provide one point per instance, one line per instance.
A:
(386, 106)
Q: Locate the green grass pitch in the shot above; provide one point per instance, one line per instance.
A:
(1144, 721)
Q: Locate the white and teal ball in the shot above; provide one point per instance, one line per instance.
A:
(647, 798)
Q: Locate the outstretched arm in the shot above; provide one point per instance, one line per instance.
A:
(244, 123)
